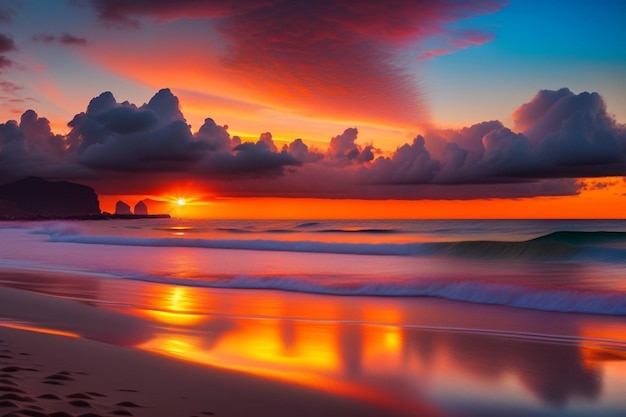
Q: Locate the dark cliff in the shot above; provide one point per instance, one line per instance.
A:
(36, 197)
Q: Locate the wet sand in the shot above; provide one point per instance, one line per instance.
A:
(144, 349)
(65, 374)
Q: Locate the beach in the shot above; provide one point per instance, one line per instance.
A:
(53, 374)
(149, 345)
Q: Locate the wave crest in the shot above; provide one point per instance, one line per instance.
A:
(545, 299)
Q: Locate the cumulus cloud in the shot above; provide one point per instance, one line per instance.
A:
(558, 137)
(343, 149)
(571, 131)
(558, 134)
(31, 148)
(302, 153)
(248, 159)
(410, 164)
(153, 137)
(215, 137)
(111, 136)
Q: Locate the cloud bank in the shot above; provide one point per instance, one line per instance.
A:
(120, 147)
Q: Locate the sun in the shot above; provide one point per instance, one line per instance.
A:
(180, 201)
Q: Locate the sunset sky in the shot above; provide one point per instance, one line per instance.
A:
(321, 109)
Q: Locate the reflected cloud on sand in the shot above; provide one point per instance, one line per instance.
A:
(365, 349)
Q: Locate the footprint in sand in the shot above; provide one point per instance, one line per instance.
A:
(55, 379)
(80, 404)
(12, 389)
(13, 369)
(81, 396)
(7, 381)
(7, 404)
(51, 382)
(49, 397)
(60, 414)
(121, 413)
(15, 397)
(129, 404)
(30, 413)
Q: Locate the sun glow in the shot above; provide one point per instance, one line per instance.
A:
(180, 201)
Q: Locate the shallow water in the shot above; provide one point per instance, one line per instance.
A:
(417, 349)
(568, 266)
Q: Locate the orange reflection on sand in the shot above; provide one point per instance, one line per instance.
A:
(172, 305)
(32, 328)
(177, 319)
(600, 345)
(269, 336)
(304, 354)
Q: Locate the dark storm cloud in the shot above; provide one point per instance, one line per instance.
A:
(410, 164)
(248, 160)
(330, 54)
(155, 137)
(65, 39)
(31, 148)
(344, 150)
(122, 137)
(215, 137)
(561, 136)
(299, 150)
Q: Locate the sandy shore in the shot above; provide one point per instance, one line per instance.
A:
(52, 375)
(146, 349)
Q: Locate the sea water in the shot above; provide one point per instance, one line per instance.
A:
(554, 265)
(443, 317)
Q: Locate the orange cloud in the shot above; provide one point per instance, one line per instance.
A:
(332, 60)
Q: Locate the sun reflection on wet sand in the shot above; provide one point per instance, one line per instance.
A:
(414, 356)
(363, 348)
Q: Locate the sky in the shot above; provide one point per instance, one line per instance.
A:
(321, 109)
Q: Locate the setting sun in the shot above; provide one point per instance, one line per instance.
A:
(180, 201)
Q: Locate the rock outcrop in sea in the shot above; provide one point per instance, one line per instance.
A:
(141, 209)
(122, 208)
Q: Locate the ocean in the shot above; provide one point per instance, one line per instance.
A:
(554, 265)
(466, 317)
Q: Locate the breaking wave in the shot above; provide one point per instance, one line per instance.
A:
(546, 299)
(543, 249)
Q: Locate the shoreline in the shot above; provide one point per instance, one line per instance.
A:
(101, 216)
(56, 374)
(103, 368)
(345, 355)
